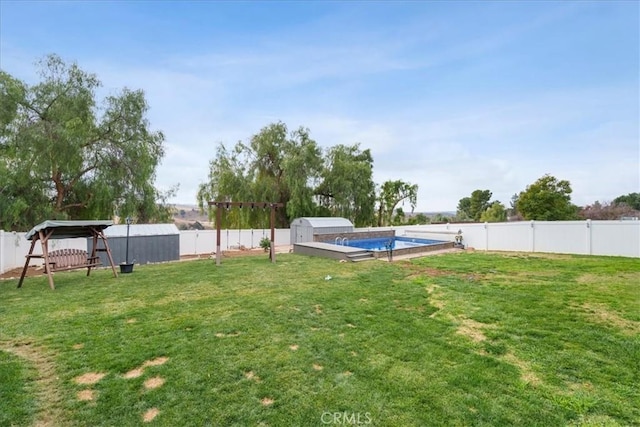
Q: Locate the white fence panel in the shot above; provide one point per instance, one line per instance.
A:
(194, 242)
(509, 236)
(567, 237)
(474, 235)
(620, 238)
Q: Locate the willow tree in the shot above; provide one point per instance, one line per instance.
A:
(391, 194)
(65, 155)
(347, 188)
(275, 166)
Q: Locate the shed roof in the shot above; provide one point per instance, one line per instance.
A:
(68, 229)
(322, 222)
(141, 230)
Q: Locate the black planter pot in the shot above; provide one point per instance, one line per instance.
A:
(126, 268)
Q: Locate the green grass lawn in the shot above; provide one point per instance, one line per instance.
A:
(456, 339)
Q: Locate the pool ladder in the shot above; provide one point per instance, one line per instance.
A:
(342, 241)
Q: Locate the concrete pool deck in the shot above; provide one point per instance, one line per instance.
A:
(348, 253)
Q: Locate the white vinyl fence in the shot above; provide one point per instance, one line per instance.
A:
(615, 238)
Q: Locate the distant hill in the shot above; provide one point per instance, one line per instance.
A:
(189, 216)
(432, 214)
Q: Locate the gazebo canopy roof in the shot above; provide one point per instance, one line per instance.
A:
(68, 229)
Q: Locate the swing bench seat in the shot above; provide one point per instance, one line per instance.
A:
(72, 259)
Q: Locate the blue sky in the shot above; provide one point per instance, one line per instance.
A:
(452, 96)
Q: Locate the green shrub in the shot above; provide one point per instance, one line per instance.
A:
(265, 244)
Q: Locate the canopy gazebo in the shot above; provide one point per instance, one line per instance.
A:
(68, 259)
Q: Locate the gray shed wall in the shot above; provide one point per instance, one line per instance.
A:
(301, 233)
(142, 249)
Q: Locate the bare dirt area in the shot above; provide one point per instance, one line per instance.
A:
(15, 273)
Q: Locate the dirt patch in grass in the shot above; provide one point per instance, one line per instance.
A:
(150, 415)
(47, 389)
(78, 346)
(251, 376)
(420, 271)
(435, 299)
(134, 373)
(86, 395)
(267, 401)
(155, 362)
(472, 330)
(137, 372)
(230, 335)
(317, 367)
(525, 255)
(294, 347)
(89, 378)
(526, 373)
(600, 313)
(154, 382)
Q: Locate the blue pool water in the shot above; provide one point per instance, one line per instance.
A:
(381, 243)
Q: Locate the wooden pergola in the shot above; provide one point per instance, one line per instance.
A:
(220, 205)
(49, 230)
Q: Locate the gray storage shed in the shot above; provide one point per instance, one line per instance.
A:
(147, 243)
(303, 229)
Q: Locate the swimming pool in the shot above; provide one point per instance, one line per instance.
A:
(381, 244)
(349, 248)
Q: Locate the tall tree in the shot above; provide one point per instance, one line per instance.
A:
(65, 155)
(390, 195)
(480, 203)
(547, 199)
(275, 166)
(473, 207)
(347, 188)
(463, 211)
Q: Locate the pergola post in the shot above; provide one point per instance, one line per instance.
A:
(218, 221)
(272, 249)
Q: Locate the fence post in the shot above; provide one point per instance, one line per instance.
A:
(533, 236)
(486, 236)
(2, 252)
